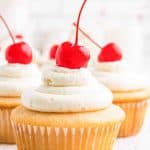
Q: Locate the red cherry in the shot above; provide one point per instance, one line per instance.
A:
(19, 53)
(72, 56)
(111, 52)
(52, 51)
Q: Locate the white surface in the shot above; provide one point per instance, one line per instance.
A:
(8, 147)
(139, 142)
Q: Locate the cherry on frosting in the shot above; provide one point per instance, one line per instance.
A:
(18, 52)
(108, 53)
(70, 55)
(52, 52)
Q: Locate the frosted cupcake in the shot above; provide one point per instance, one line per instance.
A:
(70, 110)
(129, 89)
(15, 76)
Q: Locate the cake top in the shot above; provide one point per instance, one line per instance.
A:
(67, 90)
(68, 86)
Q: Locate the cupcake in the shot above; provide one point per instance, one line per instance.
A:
(70, 110)
(15, 76)
(129, 89)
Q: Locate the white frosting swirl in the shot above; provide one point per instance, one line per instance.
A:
(58, 76)
(14, 78)
(116, 76)
(67, 90)
(109, 66)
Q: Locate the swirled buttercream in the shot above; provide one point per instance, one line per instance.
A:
(67, 90)
(14, 78)
(117, 77)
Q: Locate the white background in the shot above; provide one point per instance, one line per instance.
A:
(49, 21)
(124, 21)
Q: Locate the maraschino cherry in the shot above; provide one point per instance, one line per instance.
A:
(18, 52)
(52, 52)
(110, 52)
(73, 56)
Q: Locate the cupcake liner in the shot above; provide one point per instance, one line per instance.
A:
(6, 131)
(135, 113)
(30, 137)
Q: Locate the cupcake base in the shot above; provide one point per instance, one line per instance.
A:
(69, 131)
(6, 130)
(6, 134)
(44, 138)
(135, 114)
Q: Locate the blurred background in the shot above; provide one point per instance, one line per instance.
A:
(44, 22)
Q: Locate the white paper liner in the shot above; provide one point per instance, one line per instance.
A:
(48, 138)
(135, 114)
(6, 131)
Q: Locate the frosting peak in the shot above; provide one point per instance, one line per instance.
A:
(59, 76)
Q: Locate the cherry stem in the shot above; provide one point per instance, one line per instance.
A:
(78, 21)
(87, 36)
(7, 27)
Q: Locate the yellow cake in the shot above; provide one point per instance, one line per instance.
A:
(70, 110)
